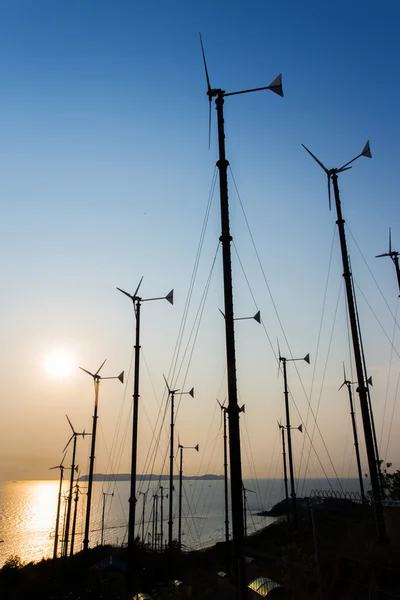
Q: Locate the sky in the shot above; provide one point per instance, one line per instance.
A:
(105, 175)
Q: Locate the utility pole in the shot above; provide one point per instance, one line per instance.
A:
(233, 409)
(137, 301)
(373, 458)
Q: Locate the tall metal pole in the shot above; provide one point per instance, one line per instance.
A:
(144, 494)
(244, 512)
(180, 498)
(356, 446)
(289, 441)
(137, 301)
(156, 529)
(282, 428)
(171, 471)
(76, 499)
(69, 504)
(162, 518)
(103, 515)
(91, 464)
(228, 558)
(373, 459)
(132, 497)
(56, 533)
(233, 408)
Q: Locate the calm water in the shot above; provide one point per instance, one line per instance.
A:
(28, 513)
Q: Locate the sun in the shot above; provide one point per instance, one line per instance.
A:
(59, 364)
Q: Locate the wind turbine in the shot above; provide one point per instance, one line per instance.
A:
(234, 432)
(284, 360)
(181, 449)
(244, 490)
(96, 380)
(137, 302)
(394, 255)
(348, 384)
(362, 388)
(172, 394)
(74, 469)
(56, 535)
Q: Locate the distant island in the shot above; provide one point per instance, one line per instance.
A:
(146, 477)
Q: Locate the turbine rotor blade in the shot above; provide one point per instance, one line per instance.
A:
(316, 159)
(68, 443)
(70, 424)
(390, 240)
(381, 255)
(126, 293)
(137, 289)
(86, 371)
(329, 192)
(166, 383)
(205, 66)
(100, 367)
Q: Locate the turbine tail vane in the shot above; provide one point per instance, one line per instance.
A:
(366, 151)
(276, 86)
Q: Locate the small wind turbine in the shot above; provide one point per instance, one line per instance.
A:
(181, 449)
(105, 494)
(284, 360)
(362, 388)
(56, 535)
(96, 380)
(74, 468)
(245, 490)
(348, 384)
(172, 394)
(394, 255)
(234, 430)
(137, 301)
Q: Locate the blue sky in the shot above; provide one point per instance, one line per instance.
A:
(105, 175)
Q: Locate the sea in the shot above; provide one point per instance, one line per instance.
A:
(28, 512)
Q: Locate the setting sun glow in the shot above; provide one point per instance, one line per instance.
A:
(59, 363)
